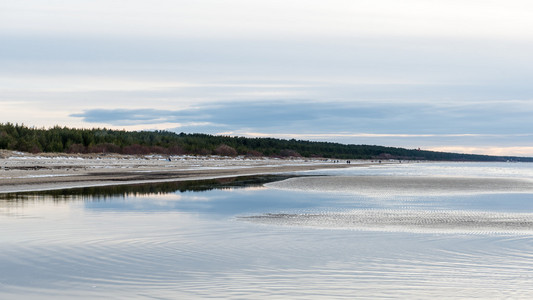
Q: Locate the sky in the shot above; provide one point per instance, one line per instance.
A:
(438, 75)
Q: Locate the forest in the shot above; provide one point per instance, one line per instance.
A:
(71, 140)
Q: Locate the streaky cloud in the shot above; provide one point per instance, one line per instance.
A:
(355, 119)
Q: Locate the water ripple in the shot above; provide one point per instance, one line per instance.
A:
(407, 221)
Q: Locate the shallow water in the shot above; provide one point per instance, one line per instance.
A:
(248, 240)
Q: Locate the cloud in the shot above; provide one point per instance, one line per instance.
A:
(277, 115)
(345, 119)
(135, 116)
(297, 18)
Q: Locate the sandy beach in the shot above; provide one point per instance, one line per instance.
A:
(21, 172)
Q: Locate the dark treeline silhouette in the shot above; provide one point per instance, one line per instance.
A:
(70, 140)
(100, 193)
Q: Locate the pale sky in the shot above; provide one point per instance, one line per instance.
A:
(439, 75)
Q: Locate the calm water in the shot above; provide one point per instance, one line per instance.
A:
(442, 230)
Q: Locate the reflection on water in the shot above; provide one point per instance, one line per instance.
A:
(221, 197)
(169, 242)
(103, 192)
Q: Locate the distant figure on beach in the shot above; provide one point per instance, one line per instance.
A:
(169, 159)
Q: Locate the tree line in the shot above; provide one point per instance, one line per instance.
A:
(71, 140)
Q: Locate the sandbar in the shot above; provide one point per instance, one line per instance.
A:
(22, 172)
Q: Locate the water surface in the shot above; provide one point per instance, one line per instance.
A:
(334, 238)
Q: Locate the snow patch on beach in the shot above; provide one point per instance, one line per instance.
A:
(44, 176)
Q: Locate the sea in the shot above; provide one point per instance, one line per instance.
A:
(443, 230)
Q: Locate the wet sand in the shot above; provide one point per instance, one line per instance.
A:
(21, 172)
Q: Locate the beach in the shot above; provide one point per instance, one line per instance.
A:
(20, 172)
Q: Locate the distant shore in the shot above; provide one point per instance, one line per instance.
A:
(21, 172)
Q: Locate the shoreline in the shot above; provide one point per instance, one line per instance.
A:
(23, 172)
